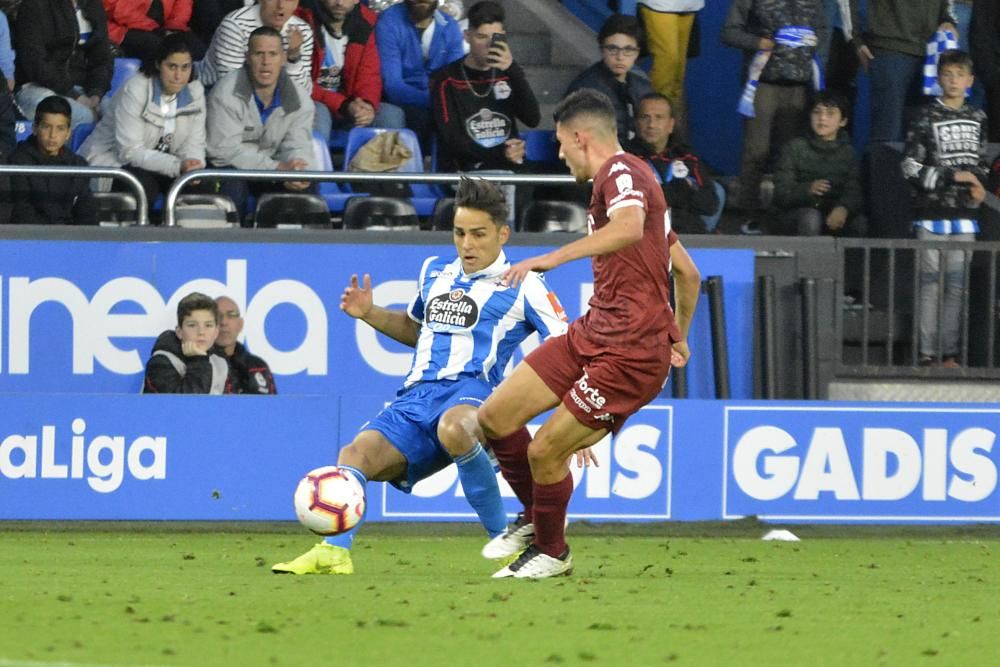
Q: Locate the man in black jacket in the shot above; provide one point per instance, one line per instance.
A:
(46, 199)
(61, 53)
(477, 100)
(252, 374)
(689, 190)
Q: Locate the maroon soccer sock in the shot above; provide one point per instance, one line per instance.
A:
(512, 454)
(550, 515)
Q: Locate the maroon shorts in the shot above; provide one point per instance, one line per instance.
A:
(601, 386)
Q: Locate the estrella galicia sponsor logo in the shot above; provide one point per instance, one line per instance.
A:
(633, 480)
(454, 309)
(862, 463)
(488, 128)
(102, 460)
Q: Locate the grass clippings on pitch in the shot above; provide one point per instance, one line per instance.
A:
(203, 594)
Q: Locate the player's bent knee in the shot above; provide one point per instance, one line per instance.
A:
(456, 436)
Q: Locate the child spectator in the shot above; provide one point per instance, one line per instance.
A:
(47, 199)
(619, 39)
(137, 27)
(156, 124)
(817, 189)
(183, 361)
(945, 162)
(778, 39)
(63, 49)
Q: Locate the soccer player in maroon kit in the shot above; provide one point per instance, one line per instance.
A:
(614, 359)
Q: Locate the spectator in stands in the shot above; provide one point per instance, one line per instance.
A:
(156, 125)
(452, 8)
(778, 39)
(46, 199)
(893, 49)
(346, 74)
(945, 162)
(688, 188)
(668, 25)
(414, 39)
(63, 49)
(252, 375)
(619, 39)
(259, 119)
(137, 27)
(478, 99)
(817, 187)
(183, 359)
(985, 44)
(6, 52)
(228, 49)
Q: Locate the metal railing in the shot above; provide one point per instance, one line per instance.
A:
(142, 214)
(170, 203)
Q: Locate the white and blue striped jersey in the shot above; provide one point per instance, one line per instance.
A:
(471, 324)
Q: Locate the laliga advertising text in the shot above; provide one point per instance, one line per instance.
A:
(769, 464)
(94, 324)
(24, 456)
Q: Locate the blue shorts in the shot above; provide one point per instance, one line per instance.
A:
(410, 423)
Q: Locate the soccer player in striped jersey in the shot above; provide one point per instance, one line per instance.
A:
(465, 323)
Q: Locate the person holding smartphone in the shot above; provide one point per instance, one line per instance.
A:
(478, 100)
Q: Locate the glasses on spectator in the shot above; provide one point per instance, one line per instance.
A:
(614, 50)
(231, 314)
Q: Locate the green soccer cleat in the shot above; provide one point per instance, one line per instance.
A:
(321, 559)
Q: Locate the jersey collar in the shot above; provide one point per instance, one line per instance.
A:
(495, 269)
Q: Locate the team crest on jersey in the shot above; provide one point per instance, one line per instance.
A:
(617, 166)
(454, 309)
(488, 128)
(501, 90)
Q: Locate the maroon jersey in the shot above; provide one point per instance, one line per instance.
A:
(631, 301)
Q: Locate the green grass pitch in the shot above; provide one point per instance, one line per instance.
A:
(695, 594)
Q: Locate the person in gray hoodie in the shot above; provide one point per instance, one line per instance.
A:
(258, 118)
(156, 125)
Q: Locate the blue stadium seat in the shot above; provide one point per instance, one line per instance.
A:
(541, 146)
(22, 129)
(80, 134)
(425, 196)
(335, 197)
(124, 69)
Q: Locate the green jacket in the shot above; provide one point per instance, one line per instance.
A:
(903, 26)
(807, 159)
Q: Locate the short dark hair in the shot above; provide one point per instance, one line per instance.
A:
(482, 195)
(54, 104)
(196, 301)
(175, 42)
(621, 24)
(832, 98)
(955, 57)
(485, 12)
(264, 31)
(658, 96)
(586, 102)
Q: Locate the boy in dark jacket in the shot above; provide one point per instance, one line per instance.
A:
(183, 360)
(46, 199)
(817, 189)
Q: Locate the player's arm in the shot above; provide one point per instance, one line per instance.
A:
(625, 227)
(396, 324)
(687, 288)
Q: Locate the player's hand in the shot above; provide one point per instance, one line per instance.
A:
(356, 300)
(679, 354)
(189, 348)
(819, 187)
(865, 56)
(836, 219)
(586, 458)
(515, 275)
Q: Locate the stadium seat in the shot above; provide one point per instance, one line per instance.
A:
(336, 196)
(115, 209)
(443, 219)
(380, 214)
(22, 129)
(124, 69)
(206, 211)
(541, 146)
(289, 210)
(424, 196)
(553, 216)
(80, 134)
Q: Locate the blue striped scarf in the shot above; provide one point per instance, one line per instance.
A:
(793, 37)
(943, 40)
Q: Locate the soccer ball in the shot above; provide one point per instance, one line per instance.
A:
(329, 501)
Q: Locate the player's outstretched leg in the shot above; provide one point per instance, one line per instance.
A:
(333, 554)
